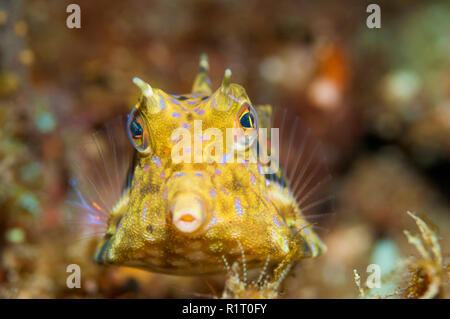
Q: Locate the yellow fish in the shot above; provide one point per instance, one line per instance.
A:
(194, 216)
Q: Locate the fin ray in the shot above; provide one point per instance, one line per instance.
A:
(202, 82)
(303, 169)
(99, 166)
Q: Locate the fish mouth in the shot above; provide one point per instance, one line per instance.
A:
(188, 213)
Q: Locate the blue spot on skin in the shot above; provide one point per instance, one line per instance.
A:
(218, 171)
(192, 102)
(237, 206)
(174, 101)
(212, 192)
(195, 95)
(260, 169)
(253, 179)
(225, 158)
(213, 221)
(185, 125)
(162, 175)
(162, 103)
(234, 99)
(156, 161)
(144, 214)
(178, 174)
(196, 109)
(176, 115)
(276, 221)
(199, 174)
(201, 112)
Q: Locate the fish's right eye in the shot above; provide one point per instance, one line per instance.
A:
(138, 132)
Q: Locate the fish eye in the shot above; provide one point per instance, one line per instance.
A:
(137, 132)
(247, 120)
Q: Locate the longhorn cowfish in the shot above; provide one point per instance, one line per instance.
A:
(198, 217)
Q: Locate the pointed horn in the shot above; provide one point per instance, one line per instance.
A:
(226, 82)
(222, 100)
(202, 82)
(147, 93)
(204, 63)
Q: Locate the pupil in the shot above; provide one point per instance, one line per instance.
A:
(136, 129)
(246, 121)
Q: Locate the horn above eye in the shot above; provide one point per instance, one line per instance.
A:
(148, 97)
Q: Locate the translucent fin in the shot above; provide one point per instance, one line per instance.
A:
(100, 164)
(303, 170)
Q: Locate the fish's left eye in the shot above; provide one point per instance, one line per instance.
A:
(247, 120)
(136, 129)
(138, 132)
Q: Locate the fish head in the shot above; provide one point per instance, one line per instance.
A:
(190, 201)
(196, 199)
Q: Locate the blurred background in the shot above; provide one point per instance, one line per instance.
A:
(379, 99)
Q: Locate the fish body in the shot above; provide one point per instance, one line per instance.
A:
(198, 216)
